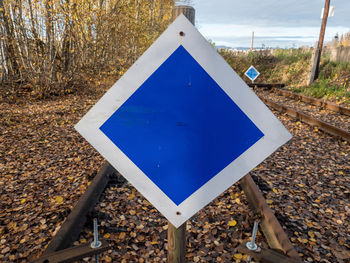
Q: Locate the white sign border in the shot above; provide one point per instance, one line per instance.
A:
(275, 133)
(249, 76)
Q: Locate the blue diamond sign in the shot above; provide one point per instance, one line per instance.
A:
(181, 125)
(252, 73)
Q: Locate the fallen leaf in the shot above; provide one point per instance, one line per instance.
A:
(232, 223)
(59, 199)
(311, 234)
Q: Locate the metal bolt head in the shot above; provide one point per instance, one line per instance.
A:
(96, 244)
(252, 246)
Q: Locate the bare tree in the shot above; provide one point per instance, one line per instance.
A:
(52, 45)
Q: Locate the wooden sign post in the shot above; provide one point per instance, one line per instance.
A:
(188, 12)
(177, 236)
(176, 243)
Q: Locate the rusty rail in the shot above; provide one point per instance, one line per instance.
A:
(73, 254)
(266, 85)
(75, 221)
(57, 250)
(266, 255)
(328, 128)
(274, 233)
(313, 101)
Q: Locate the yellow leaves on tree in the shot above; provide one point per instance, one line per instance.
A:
(70, 39)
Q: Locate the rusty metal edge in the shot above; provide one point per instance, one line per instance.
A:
(314, 101)
(266, 85)
(73, 224)
(273, 232)
(335, 131)
(73, 253)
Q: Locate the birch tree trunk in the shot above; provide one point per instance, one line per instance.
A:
(9, 54)
(48, 42)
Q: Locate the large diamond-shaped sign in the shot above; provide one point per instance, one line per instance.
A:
(181, 125)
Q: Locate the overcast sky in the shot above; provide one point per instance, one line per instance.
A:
(276, 23)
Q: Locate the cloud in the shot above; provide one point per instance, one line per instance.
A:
(240, 35)
(273, 21)
(288, 13)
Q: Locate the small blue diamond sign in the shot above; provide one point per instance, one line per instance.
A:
(181, 125)
(252, 73)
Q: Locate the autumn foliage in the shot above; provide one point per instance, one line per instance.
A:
(51, 46)
(344, 40)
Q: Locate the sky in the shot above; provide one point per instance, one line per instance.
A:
(276, 23)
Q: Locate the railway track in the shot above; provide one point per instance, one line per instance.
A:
(326, 116)
(274, 233)
(60, 250)
(323, 156)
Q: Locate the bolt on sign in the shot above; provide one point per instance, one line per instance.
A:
(180, 125)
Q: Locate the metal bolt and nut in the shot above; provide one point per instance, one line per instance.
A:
(96, 243)
(251, 245)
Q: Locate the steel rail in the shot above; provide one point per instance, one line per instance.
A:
(266, 85)
(75, 221)
(317, 102)
(71, 228)
(326, 104)
(73, 254)
(264, 255)
(326, 127)
(274, 233)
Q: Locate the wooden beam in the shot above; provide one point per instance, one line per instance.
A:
(176, 243)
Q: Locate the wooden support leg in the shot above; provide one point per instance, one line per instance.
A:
(176, 243)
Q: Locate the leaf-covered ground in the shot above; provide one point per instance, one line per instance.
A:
(45, 166)
(138, 232)
(308, 183)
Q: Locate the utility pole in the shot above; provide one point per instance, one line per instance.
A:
(322, 33)
(252, 42)
(315, 70)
